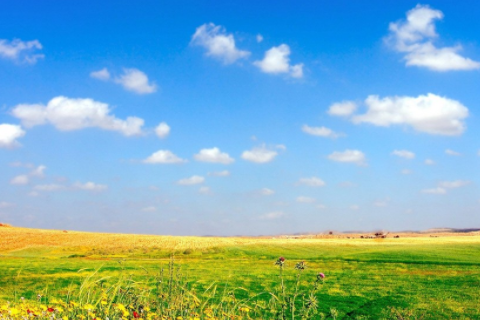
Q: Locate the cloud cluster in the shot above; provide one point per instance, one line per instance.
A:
(164, 157)
(67, 114)
(191, 181)
(162, 130)
(90, 186)
(259, 155)
(218, 43)
(277, 61)
(415, 36)
(443, 186)
(213, 155)
(131, 79)
(9, 133)
(321, 132)
(426, 113)
(349, 156)
(404, 154)
(21, 51)
(311, 182)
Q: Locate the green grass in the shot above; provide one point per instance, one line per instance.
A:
(437, 281)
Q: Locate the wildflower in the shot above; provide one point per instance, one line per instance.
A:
(301, 265)
(320, 276)
(135, 314)
(50, 309)
(280, 262)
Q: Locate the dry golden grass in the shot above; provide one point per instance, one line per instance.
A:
(13, 238)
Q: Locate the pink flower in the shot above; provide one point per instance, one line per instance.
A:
(321, 275)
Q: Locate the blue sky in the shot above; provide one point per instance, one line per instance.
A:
(196, 118)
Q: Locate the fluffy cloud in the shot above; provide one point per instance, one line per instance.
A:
(218, 43)
(205, 190)
(429, 162)
(259, 155)
(213, 155)
(267, 192)
(303, 199)
(9, 134)
(162, 130)
(311, 182)
(415, 36)
(404, 154)
(444, 185)
(437, 190)
(349, 156)
(21, 51)
(136, 81)
(453, 184)
(164, 157)
(20, 180)
(191, 181)
(277, 61)
(68, 114)
(224, 173)
(39, 171)
(102, 74)
(321, 132)
(426, 113)
(90, 186)
(452, 153)
(342, 109)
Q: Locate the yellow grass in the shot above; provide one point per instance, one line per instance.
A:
(13, 238)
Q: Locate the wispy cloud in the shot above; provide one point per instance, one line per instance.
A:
(21, 51)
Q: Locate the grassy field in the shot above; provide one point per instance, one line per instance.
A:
(433, 277)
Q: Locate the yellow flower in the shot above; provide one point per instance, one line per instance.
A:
(103, 302)
(64, 318)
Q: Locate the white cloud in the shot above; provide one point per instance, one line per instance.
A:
(277, 60)
(267, 192)
(342, 109)
(149, 209)
(136, 81)
(272, 215)
(224, 173)
(453, 184)
(321, 132)
(303, 199)
(444, 185)
(39, 171)
(21, 51)
(259, 155)
(321, 206)
(48, 187)
(205, 190)
(218, 43)
(415, 36)
(311, 182)
(213, 155)
(429, 162)
(102, 74)
(164, 157)
(404, 154)
(349, 156)
(452, 153)
(426, 113)
(406, 171)
(191, 181)
(259, 38)
(20, 180)
(68, 114)
(90, 186)
(437, 190)
(9, 133)
(162, 130)
(354, 207)
(381, 203)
